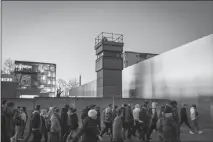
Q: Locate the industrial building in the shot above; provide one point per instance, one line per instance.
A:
(130, 58)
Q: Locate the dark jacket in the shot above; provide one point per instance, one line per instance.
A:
(6, 128)
(84, 113)
(64, 119)
(128, 116)
(114, 114)
(183, 113)
(73, 121)
(143, 116)
(89, 131)
(36, 121)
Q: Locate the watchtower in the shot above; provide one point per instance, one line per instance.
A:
(109, 64)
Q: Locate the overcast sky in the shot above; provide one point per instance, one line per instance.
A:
(64, 32)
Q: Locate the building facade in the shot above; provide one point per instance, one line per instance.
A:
(35, 78)
(130, 58)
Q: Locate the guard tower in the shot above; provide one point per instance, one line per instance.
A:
(109, 64)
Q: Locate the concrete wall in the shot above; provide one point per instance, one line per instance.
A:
(185, 72)
(8, 89)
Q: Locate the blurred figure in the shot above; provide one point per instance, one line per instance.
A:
(64, 120)
(17, 125)
(36, 122)
(44, 124)
(136, 113)
(7, 121)
(89, 130)
(25, 111)
(184, 118)
(55, 128)
(194, 119)
(107, 116)
(167, 127)
(153, 120)
(72, 122)
(114, 112)
(23, 122)
(128, 119)
(84, 113)
(117, 135)
(144, 121)
(98, 109)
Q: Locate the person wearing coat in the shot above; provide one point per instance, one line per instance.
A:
(117, 135)
(89, 130)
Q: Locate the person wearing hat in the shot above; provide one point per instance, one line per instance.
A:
(89, 130)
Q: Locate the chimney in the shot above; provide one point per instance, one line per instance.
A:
(80, 80)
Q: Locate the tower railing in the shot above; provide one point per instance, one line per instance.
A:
(111, 37)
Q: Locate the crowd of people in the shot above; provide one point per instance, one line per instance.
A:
(121, 123)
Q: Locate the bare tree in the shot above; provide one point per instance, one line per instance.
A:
(72, 83)
(8, 66)
(61, 86)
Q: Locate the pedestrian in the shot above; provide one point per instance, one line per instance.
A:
(114, 112)
(44, 131)
(84, 113)
(7, 121)
(117, 135)
(144, 122)
(98, 117)
(184, 118)
(167, 126)
(55, 128)
(136, 113)
(73, 123)
(64, 120)
(89, 130)
(23, 122)
(25, 112)
(36, 124)
(17, 125)
(128, 119)
(153, 120)
(194, 119)
(107, 117)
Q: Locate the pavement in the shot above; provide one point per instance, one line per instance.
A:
(207, 136)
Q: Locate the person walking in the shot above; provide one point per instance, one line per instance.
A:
(184, 118)
(36, 122)
(167, 127)
(194, 119)
(55, 128)
(89, 130)
(107, 116)
(117, 135)
(25, 112)
(44, 131)
(7, 121)
(153, 120)
(72, 122)
(128, 119)
(137, 123)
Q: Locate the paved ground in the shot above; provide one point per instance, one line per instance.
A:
(207, 136)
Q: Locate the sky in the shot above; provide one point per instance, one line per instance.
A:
(64, 32)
